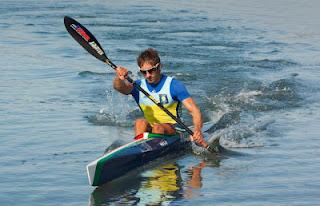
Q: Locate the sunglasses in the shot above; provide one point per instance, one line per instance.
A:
(150, 71)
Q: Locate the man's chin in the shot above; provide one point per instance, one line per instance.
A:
(150, 81)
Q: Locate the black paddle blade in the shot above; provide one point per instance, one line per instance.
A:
(85, 38)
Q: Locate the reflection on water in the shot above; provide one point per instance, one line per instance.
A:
(159, 186)
(162, 185)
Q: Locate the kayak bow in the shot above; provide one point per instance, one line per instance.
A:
(132, 155)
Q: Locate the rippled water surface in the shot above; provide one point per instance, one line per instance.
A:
(256, 61)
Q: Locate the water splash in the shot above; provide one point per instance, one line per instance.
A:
(119, 110)
(279, 94)
(244, 135)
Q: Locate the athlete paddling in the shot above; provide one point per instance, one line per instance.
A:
(167, 90)
(159, 108)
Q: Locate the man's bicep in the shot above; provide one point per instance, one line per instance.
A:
(189, 104)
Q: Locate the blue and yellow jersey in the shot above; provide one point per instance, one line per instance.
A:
(168, 91)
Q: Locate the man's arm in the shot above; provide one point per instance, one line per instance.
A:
(194, 110)
(120, 83)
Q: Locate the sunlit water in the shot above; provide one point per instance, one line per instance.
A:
(258, 61)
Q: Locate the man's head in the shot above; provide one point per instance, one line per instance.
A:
(150, 66)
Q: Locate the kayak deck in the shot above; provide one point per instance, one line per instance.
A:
(132, 155)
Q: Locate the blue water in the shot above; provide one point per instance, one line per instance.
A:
(256, 60)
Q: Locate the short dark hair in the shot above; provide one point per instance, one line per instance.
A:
(149, 55)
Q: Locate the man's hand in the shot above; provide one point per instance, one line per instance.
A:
(198, 139)
(119, 84)
(122, 73)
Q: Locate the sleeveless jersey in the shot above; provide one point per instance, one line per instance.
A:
(170, 92)
(151, 111)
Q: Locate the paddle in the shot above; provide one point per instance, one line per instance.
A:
(91, 44)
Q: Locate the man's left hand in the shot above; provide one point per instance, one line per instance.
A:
(198, 139)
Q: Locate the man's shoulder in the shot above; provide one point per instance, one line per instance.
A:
(134, 90)
(176, 83)
(178, 90)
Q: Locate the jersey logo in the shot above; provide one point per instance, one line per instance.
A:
(163, 99)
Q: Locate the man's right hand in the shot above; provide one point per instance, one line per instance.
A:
(122, 73)
(119, 84)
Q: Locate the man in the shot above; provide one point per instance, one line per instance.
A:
(169, 91)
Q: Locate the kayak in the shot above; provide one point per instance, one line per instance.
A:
(123, 159)
(145, 148)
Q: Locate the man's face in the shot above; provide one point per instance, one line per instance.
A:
(152, 73)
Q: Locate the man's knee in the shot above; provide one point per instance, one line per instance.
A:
(141, 122)
(158, 129)
(141, 126)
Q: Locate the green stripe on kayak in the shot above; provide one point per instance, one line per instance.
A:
(101, 162)
(152, 135)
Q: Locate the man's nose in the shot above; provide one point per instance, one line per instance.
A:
(148, 74)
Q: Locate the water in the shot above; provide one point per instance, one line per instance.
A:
(257, 60)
